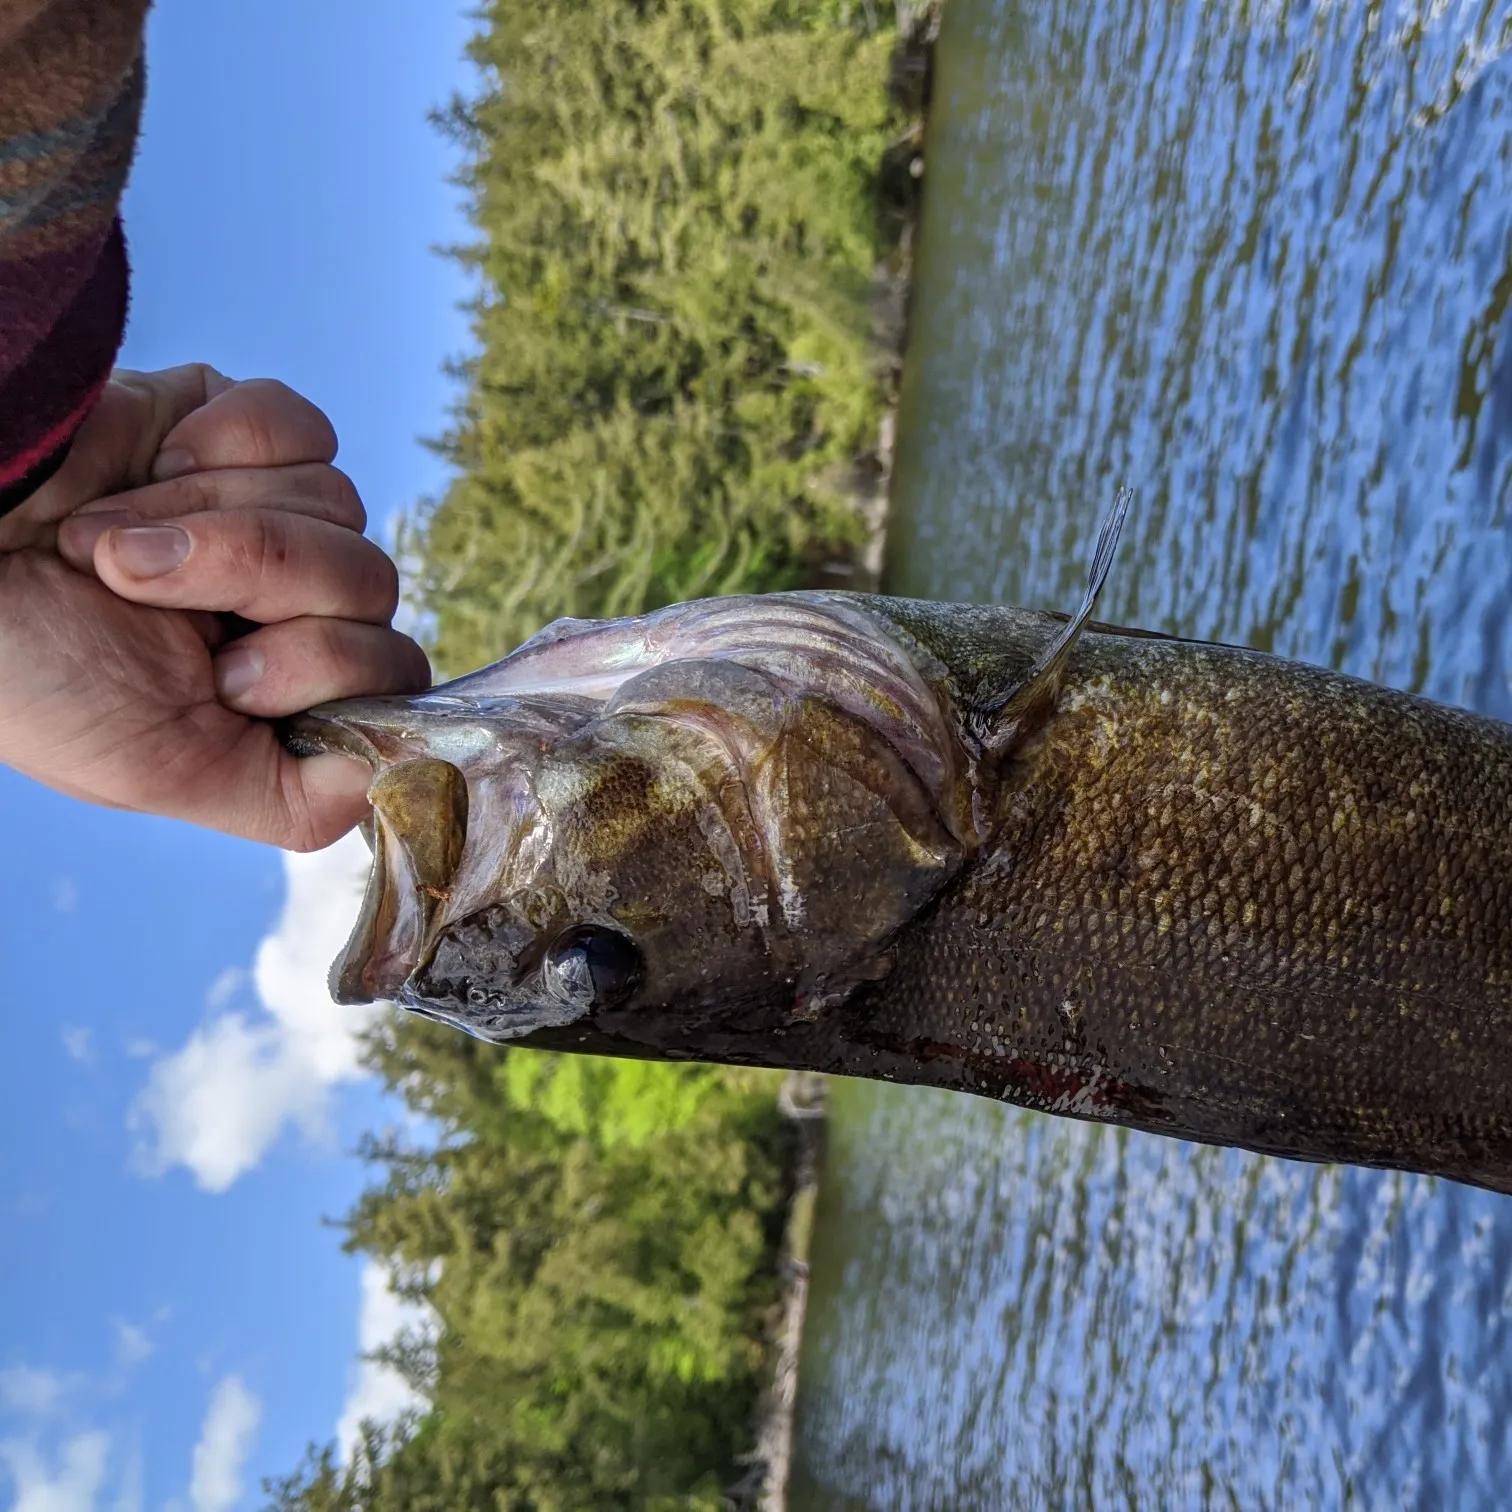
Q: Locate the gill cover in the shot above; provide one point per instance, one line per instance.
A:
(828, 837)
(724, 800)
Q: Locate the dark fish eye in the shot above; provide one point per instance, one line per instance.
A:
(592, 966)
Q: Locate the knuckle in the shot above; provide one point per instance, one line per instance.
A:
(281, 565)
(385, 579)
(418, 665)
(294, 828)
(298, 423)
(191, 493)
(347, 499)
(337, 495)
(333, 645)
(259, 555)
(209, 381)
(249, 437)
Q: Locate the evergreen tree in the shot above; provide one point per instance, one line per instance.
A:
(677, 208)
(677, 203)
(595, 1238)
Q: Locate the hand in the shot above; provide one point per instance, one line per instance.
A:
(186, 499)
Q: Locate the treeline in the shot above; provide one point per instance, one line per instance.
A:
(676, 367)
(676, 372)
(595, 1238)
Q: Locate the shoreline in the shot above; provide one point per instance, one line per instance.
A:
(803, 1098)
(900, 193)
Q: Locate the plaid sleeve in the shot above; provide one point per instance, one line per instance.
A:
(71, 81)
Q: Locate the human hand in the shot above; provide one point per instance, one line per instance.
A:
(187, 499)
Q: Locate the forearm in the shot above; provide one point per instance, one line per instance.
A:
(71, 81)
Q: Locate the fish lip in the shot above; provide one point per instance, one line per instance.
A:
(367, 970)
(321, 730)
(347, 979)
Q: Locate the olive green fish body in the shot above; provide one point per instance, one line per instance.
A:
(1181, 887)
(1226, 897)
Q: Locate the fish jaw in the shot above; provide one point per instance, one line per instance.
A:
(451, 793)
(757, 793)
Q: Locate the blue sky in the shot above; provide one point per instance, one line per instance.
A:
(179, 1096)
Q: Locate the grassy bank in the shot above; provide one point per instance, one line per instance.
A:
(692, 226)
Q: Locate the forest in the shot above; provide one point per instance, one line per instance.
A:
(676, 380)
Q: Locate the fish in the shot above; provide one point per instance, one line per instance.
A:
(1100, 872)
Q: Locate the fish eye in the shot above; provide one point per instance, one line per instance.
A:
(592, 966)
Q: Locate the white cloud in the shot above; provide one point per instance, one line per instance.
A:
(221, 1101)
(378, 1393)
(34, 1392)
(65, 894)
(224, 988)
(132, 1345)
(231, 1422)
(52, 1458)
(128, 1497)
(78, 1041)
(70, 1484)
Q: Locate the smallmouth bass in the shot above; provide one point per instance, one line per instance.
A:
(1188, 888)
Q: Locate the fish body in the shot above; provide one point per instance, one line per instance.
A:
(1231, 898)
(1182, 887)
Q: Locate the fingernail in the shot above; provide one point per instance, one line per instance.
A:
(334, 778)
(173, 463)
(149, 551)
(237, 670)
(79, 532)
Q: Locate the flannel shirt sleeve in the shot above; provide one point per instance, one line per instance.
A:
(71, 85)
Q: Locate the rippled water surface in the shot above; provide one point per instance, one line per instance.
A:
(1255, 260)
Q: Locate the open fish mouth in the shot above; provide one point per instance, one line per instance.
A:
(496, 816)
(416, 834)
(430, 755)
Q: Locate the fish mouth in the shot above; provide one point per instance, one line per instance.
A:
(441, 764)
(417, 834)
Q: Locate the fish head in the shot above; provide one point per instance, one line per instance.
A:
(629, 831)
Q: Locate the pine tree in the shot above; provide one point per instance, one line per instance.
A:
(677, 206)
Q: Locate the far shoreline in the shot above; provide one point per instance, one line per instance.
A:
(803, 1098)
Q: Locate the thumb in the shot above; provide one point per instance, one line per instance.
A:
(260, 792)
(324, 796)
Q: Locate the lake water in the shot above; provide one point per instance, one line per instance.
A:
(1256, 261)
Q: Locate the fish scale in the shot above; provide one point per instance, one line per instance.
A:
(1309, 956)
(1187, 888)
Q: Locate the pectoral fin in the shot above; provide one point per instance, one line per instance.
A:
(1022, 712)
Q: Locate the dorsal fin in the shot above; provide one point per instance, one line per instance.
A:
(1020, 713)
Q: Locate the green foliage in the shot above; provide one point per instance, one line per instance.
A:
(677, 205)
(677, 202)
(596, 1239)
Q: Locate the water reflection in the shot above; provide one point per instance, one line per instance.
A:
(1256, 260)
(1014, 1312)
